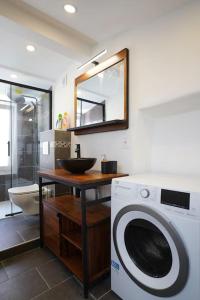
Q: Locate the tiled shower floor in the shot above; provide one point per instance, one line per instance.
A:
(18, 229)
(37, 274)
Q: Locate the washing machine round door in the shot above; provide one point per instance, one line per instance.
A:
(150, 250)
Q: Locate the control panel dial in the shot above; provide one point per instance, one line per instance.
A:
(145, 193)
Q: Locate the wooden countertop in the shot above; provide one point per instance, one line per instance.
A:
(88, 178)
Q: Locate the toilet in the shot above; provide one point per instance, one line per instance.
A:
(26, 197)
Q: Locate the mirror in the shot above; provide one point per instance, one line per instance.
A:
(101, 96)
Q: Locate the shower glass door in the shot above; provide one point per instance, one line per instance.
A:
(30, 116)
(5, 116)
(24, 113)
(5, 145)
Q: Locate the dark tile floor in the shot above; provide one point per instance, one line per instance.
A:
(18, 229)
(37, 274)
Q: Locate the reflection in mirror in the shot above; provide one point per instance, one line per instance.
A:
(89, 112)
(101, 97)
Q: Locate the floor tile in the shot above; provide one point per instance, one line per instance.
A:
(30, 233)
(102, 287)
(3, 275)
(17, 229)
(68, 290)
(32, 220)
(22, 287)
(9, 239)
(26, 261)
(13, 222)
(110, 296)
(54, 272)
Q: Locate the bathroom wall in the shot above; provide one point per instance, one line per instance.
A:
(164, 66)
(176, 144)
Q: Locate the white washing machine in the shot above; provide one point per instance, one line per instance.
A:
(156, 237)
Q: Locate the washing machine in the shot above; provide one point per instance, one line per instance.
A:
(155, 237)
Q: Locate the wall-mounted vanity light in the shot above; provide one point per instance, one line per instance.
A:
(92, 60)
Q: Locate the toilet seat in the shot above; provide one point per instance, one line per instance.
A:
(22, 190)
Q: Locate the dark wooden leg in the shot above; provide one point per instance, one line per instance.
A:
(71, 191)
(41, 212)
(77, 192)
(84, 244)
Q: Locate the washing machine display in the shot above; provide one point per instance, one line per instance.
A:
(150, 250)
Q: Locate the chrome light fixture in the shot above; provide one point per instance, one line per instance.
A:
(93, 59)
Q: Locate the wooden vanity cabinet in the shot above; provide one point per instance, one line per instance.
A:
(51, 229)
(62, 234)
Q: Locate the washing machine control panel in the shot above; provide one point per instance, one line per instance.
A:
(145, 193)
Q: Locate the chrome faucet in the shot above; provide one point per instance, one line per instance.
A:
(78, 150)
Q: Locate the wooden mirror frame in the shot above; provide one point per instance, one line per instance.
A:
(112, 125)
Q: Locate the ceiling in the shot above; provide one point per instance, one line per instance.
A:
(102, 19)
(46, 25)
(39, 69)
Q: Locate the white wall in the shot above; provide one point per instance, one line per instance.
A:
(176, 144)
(164, 65)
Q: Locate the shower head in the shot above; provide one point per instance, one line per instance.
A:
(20, 100)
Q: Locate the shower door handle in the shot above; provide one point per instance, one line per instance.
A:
(8, 148)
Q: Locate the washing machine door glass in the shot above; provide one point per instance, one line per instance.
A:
(150, 250)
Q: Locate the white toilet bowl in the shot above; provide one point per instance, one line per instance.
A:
(26, 197)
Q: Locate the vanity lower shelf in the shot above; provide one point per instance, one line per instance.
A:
(62, 234)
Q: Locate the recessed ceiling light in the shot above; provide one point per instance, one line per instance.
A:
(71, 9)
(30, 48)
(13, 76)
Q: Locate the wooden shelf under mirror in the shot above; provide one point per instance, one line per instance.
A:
(100, 127)
(101, 96)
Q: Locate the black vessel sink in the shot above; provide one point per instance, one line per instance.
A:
(77, 165)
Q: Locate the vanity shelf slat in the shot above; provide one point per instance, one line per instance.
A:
(70, 206)
(74, 264)
(74, 238)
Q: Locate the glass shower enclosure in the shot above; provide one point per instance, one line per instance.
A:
(24, 112)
